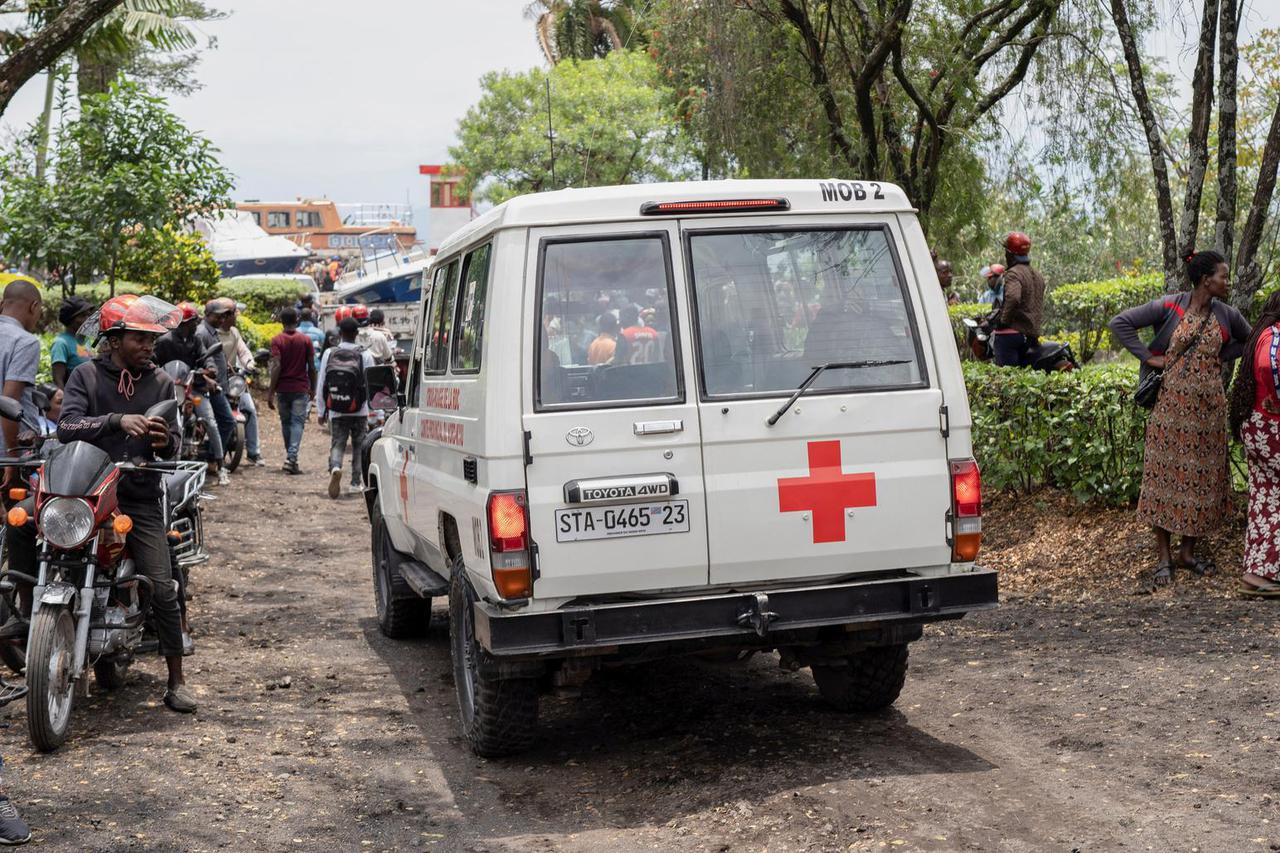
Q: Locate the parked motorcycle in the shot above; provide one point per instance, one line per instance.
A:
(237, 387)
(1048, 356)
(89, 604)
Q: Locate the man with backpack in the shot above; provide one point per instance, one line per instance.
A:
(340, 395)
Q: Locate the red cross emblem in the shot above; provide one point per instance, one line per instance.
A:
(826, 492)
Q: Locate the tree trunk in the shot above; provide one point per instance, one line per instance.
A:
(1249, 273)
(46, 121)
(48, 44)
(1198, 137)
(1173, 268)
(1224, 225)
(94, 76)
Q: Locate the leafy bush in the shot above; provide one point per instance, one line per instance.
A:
(1087, 307)
(171, 265)
(1077, 431)
(263, 297)
(960, 313)
(257, 335)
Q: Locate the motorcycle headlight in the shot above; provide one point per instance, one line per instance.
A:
(66, 522)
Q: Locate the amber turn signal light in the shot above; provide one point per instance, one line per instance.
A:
(514, 582)
(17, 494)
(122, 524)
(17, 517)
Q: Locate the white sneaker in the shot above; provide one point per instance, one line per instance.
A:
(335, 482)
(224, 479)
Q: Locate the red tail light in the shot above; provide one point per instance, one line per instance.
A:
(734, 205)
(509, 544)
(966, 511)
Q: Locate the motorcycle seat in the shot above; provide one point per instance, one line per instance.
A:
(175, 485)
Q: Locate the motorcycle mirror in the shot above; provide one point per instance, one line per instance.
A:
(10, 409)
(167, 409)
(382, 383)
(262, 356)
(970, 322)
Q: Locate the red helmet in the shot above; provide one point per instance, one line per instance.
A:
(995, 270)
(130, 312)
(342, 313)
(360, 313)
(1017, 243)
(190, 311)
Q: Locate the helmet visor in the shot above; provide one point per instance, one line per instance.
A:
(141, 314)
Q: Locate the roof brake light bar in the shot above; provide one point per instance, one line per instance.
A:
(735, 205)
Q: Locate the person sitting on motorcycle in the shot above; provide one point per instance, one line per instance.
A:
(182, 344)
(103, 405)
(1018, 327)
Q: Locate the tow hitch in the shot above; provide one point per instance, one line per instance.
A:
(759, 617)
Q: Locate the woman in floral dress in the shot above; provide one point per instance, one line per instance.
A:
(1255, 420)
(1184, 472)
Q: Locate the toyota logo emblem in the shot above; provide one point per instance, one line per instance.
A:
(579, 436)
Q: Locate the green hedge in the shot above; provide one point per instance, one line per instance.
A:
(263, 297)
(1088, 306)
(1077, 431)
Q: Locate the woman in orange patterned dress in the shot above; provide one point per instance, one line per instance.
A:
(1184, 473)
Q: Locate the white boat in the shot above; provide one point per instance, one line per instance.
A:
(242, 248)
(386, 278)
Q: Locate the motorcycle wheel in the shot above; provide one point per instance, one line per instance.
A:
(51, 688)
(231, 459)
(110, 670)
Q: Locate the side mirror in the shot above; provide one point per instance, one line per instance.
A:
(166, 409)
(383, 386)
(262, 356)
(10, 409)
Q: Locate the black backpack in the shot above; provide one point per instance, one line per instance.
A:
(344, 389)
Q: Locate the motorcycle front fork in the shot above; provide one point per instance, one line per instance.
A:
(83, 603)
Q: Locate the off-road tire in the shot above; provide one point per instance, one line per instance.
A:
(871, 680)
(231, 458)
(499, 715)
(402, 613)
(109, 671)
(48, 621)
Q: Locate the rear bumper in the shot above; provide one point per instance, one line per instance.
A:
(750, 616)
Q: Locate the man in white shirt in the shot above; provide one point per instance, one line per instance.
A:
(340, 398)
(374, 340)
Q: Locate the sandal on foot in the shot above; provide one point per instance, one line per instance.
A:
(1161, 575)
(1200, 568)
(1267, 590)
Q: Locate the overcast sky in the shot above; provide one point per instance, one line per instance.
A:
(340, 98)
(345, 99)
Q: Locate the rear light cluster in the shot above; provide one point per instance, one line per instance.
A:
(966, 511)
(509, 552)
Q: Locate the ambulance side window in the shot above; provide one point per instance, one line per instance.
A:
(414, 375)
(604, 322)
(471, 303)
(440, 320)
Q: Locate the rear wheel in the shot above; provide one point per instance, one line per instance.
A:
(13, 653)
(499, 715)
(110, 670)
(870, 681)
(401, 611)
(50, 684)
(231, 458)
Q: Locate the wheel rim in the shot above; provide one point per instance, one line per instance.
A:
(61, 686)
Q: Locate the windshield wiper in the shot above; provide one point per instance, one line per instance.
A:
(817, 371)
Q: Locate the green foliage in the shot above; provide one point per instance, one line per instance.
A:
(614, 123)
(171, 264)
(257, 335)
(263, 297)
(123, 166)
(1078, 431)
(1088, 307)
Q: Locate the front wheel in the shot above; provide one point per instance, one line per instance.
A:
(870, 681)
(50, 680)
(231, 458)
(499, 715)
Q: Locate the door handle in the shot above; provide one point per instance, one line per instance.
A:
(657, 427)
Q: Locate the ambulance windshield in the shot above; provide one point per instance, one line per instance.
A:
(773, 305)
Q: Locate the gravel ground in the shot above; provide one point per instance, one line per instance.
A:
(1131, 723)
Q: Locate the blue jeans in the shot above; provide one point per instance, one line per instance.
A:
(249, 409)
(226, 420)
(213, 446)
(1011, 350)
(293, 416)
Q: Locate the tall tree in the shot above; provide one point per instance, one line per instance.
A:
(1219, 29)
(53, 36)
(583, 29)
(146, 36)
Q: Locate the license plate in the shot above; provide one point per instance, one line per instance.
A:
(612, 522)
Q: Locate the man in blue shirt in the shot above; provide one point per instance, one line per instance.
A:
(68, 351)
(20, 307)
(311, 330)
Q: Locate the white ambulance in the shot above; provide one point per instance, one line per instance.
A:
(672, 419)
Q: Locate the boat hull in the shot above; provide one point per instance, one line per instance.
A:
(259, 266)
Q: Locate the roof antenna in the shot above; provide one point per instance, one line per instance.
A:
(551, 134)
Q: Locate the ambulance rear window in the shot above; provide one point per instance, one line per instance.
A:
(771, 305)
(605, 320)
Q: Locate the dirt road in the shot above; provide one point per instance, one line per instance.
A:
(1144, 724)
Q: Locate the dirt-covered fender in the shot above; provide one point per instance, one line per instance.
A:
(380, 475)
